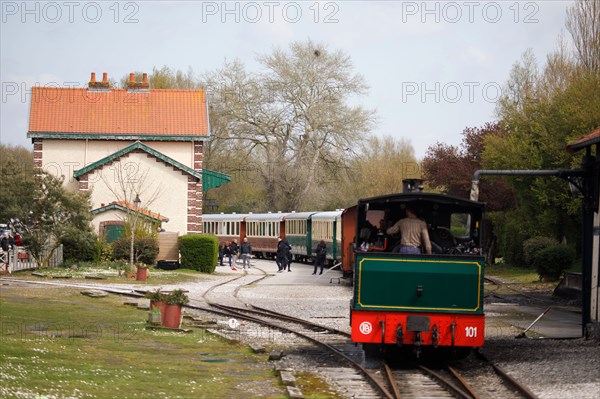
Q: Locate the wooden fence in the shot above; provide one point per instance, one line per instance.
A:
(21, 259)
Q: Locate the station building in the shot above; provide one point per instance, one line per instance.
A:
(135, 149)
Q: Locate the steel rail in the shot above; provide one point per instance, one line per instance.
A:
(391, 380)
(523, 390)
(238, 313)
(448, 384)
(299, 321)
(463, 382)
(331, 348)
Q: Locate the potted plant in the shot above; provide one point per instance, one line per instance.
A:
(157, 299)
(172, 310)
(141, 272)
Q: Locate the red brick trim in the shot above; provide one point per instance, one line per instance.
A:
(38, 152)
(194, 200)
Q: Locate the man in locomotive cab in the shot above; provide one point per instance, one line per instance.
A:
(414, 235)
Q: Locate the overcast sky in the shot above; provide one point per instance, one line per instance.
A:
(433, 68)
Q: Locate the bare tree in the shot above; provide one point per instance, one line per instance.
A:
(583, 23)
(130, 183)
(294, 117)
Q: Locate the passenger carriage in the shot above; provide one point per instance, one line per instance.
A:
(298, 232)
(327, 226)
(421, 300)
(263, 231)
(226, 227)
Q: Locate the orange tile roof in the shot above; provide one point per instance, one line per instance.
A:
(118, 112)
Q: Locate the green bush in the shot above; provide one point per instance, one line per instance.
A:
(199, 252)
(552, 261)
(103, 251)
(145, 249)
(535, 244)
(511, 229)
(78, 246)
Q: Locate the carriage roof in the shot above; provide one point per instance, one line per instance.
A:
(327, 216)
(257, 217)
(222, 217)
(299, 215)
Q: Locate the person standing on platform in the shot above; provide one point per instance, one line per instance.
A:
(235, 250)
(321, 256)
(282, 258)
(245, 253)
(227, 253)
(221, 253)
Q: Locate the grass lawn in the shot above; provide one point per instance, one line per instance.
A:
(109, 273)
(57, 343)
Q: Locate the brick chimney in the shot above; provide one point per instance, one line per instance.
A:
(93, 84)
(138, 86)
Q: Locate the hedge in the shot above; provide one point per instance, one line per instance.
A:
(145, 249)
(551, 262)
(511, 231)
(535, 244)
(199, 252)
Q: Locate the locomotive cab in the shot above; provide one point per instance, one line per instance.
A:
(428, 299)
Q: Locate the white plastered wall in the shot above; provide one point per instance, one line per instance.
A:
(170, 184)
(63, 157)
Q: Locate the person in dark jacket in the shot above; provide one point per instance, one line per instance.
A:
(221, 253)
(227, 253)
(6, 242)
(321, 256)
(235, 250)
(283, 254)
(245, 253)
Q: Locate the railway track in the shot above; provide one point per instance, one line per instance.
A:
(485, 381)
(417, 381)
(357, 379)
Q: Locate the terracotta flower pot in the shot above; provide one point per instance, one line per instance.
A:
(171, 318)
(141, 274)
